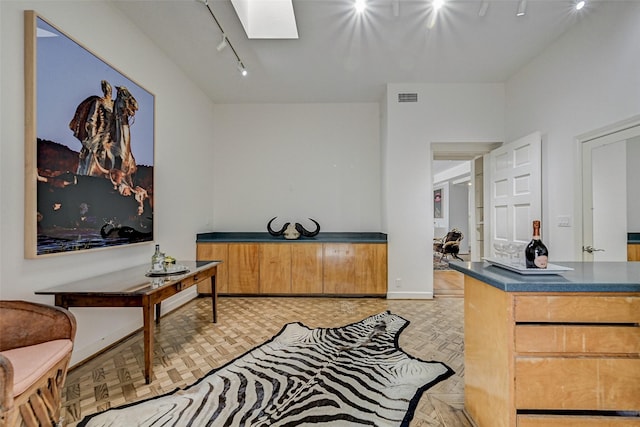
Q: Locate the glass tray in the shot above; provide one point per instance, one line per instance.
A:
(551, 268)
(171, 269)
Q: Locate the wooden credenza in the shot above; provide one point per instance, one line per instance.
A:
(552, 359)
(297, 268)
(633, 252)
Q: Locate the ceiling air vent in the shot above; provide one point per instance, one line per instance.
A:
(407, 97)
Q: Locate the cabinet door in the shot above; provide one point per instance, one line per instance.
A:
(370, 269)
(275, 268)
(633, 252)
(339, 268)
(306, 268)
(243, 268)
(214, 252)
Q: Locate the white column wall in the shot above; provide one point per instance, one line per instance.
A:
(444, 113)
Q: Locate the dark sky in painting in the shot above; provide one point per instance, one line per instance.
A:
(68, 74)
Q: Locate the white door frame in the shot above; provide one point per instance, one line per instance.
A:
(461, 151)
(632, 123)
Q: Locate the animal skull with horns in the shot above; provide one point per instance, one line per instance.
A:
(292, 232)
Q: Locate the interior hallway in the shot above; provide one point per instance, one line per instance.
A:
(188, 346)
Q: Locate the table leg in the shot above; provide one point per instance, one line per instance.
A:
(61, 302)
(147, 313)
(214, 299)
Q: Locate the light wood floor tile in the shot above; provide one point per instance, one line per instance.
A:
(188, 346)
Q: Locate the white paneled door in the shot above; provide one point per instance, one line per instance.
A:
(514, 180)
(604, 196)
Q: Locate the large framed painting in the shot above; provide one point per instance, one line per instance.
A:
(89, 146)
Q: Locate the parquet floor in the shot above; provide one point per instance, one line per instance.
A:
(448, 283)
(188, 346)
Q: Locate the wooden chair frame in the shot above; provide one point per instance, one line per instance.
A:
(24, 324)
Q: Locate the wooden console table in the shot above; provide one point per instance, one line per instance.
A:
(131, 288)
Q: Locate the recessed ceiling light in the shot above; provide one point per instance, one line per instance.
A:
(437, 4)
(360, 5)
(580, 4)
(522, 8)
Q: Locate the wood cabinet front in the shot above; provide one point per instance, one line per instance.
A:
(355, 269)
(215, 252)
(306, 269)
(244, 276)
(298, 268)
(551, 359)
(339, 274)
(633, 252)
(275, 268)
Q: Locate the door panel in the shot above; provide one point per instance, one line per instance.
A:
(604, 167)
(514, 176)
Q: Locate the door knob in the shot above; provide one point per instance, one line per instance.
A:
(590, 249)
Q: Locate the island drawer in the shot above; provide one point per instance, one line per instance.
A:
(577, 308)
(576, 421)
(577, 383)
(582, 339)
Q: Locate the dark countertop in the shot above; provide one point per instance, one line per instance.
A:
(633, 238)
(261, 237)
(586, 277)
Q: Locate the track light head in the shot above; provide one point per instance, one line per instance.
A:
(242, 69)
(522, 8)
(484, 5)
(225, 41)
(222, 44)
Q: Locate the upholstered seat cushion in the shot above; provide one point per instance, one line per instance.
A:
(31, 362)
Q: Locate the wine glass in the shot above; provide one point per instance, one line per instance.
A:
(511, 249)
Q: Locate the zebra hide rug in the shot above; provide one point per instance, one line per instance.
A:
(355, 375)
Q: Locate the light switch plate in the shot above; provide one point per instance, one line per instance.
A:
(564, 221)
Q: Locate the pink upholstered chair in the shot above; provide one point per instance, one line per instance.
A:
(35, 348)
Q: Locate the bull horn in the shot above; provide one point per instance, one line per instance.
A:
(306, 233)
(276, 233)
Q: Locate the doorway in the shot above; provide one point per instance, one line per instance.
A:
(609, 198)
(458, 168)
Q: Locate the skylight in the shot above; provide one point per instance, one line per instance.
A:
(267, 19)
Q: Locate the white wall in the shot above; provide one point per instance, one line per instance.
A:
(182, 151)
(444, 113)
(633, 185)
(588, 79)
(299, 161)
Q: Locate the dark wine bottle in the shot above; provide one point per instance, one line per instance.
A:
(536, 253)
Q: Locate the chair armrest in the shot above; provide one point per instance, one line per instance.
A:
(6, 385)
(28, 323)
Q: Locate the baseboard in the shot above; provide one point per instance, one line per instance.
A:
(88, 352)
(410, 295)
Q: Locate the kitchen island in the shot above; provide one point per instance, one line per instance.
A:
(552, 350)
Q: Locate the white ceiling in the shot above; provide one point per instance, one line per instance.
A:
(344, 57)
